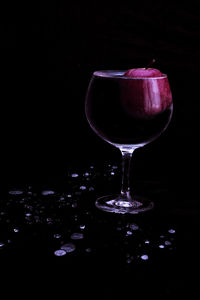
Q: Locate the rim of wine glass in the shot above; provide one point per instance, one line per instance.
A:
(120, 73)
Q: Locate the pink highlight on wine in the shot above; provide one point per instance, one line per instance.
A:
(143, 97)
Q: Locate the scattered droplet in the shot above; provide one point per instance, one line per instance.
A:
(74, 205)
(69, 247)
(112, 173)
(82, 187)
(129, 260)
(15, 192)
(115, 167)
(162, 236)
(88, 250)
(74, 175)
(48, 192)
(82, 226)
(59, 252)
(28, 214)
(57, 236)
(49, 220)
(168, 243)
(16, 230)
(87, 174)
(134, 226)
(91, 167)
(147, 242)
(91, 189)
(144, 257)
(1, 244)
(161, 246)
(128, 233)
(77, 236)
(69, 196)
(172, 231)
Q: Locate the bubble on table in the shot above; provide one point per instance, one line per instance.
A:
(83, 187)
(28, 214)
(147, 242)
(77, 236)
(48, 192)
(69, 247)
(134, 226)
(128, 233)
(172, 230)
(168, 243)
(57, 235)
(129, 259)
(82, 226)
(74, 175)
(1, 245)
(60, 252)
(88, 250)
(144, 257)
(15, 192)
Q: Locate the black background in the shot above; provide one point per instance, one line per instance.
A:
(48, 52)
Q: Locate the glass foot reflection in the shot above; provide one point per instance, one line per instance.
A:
(118, 204)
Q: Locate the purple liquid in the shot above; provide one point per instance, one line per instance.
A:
(109, 119)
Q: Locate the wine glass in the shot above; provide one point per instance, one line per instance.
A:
(127, 112)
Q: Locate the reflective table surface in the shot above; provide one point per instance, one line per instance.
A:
(54, 240)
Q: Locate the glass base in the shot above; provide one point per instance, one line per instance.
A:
(123, 205)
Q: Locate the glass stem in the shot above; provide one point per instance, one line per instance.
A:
(126, 163)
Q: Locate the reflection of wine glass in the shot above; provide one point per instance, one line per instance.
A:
(127, 112)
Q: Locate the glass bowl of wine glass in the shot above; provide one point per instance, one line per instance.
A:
(128, 109)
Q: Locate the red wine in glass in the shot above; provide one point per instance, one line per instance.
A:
(128, 112)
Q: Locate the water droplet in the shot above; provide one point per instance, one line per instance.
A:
(128, 233)
(172, 231)
(161, 246)
(82, 226)
(144, 257)
(57, 236)
(77, 236)
(91, 189)
(129, 260)
(69, 247)
(74, 175)
(147, 242)
(1, 244)
(87, 174)
(91, 167)
(16, 230)
(82, 187)
(15, 192)
(28, 215)
(49, 220)
(69, 196)
(48, 192)
(115, 167)
(88, 250)
(168, 243)
(112, 173)
(59, 252)
(162, 236)
(134, 226)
